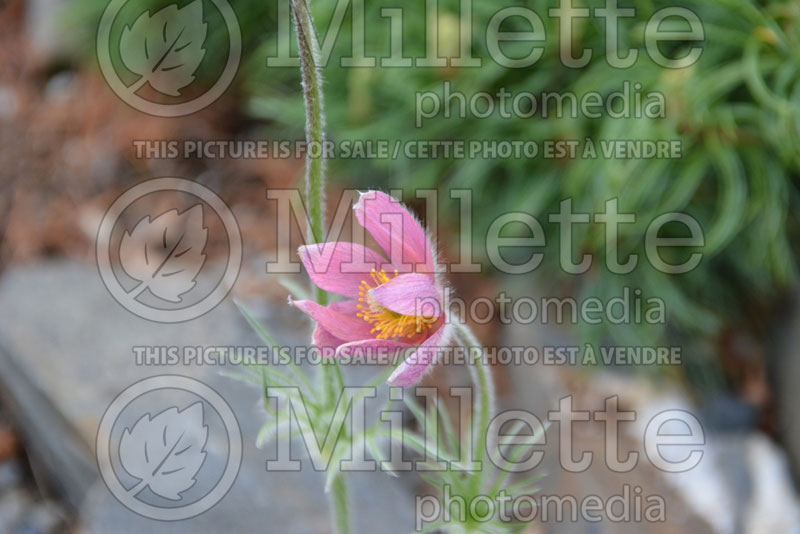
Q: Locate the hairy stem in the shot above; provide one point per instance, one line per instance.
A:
(315, 134)
(315, 200)
(315, 122)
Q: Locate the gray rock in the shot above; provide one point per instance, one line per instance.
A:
(786, 370)
(51, 39)
(11, 474)
(741, 485)
(43, 518)
(60, 86)
(537, 388)
(13, 506)
(67, 352)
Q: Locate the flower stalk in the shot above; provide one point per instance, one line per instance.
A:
(315, 201)
(315, 124)
(406, 374)
(339, 505)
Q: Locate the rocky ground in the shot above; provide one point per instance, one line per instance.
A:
(63, 359)
(65, 154)
(25, 505)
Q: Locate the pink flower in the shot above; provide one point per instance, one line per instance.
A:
(391, 304)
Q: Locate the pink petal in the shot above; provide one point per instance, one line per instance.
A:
(410, 294)
(325, 340)
(347, 307)
(339, 319)
(383, 351)
(340, 267)
(415, 366)
(398, 233)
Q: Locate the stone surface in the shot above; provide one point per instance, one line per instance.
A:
(51, 38)
(742, 484)
(786, 369)
(67, 352)
(22, 512)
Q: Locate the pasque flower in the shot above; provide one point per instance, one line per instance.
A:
(393, 301)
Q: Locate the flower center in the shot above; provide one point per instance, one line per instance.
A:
(387, 323)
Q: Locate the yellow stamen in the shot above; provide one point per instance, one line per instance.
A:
(387, 324)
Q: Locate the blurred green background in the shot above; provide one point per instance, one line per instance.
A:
(736, 111)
